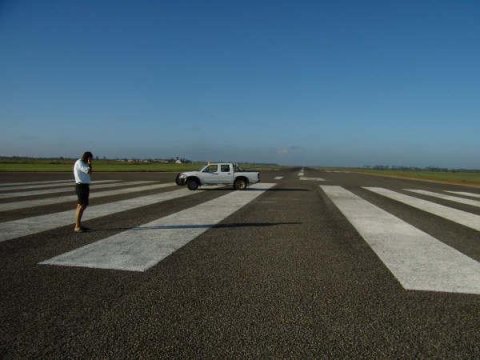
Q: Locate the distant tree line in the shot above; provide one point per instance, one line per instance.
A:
(61, 159)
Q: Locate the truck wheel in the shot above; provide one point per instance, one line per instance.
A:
(240, 184)
(192, 184)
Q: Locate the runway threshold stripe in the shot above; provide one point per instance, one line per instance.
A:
(34, 182)
(93, 195)
(464, 193)
(32, 225)
(415, 258)
(446, 197)
(140, 248)
(458, 216)
(52, 185)
(306, 178)
(69, 188)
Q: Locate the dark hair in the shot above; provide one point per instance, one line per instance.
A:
(87, 155)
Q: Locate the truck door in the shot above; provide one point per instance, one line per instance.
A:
(226, 174)
(210, 174)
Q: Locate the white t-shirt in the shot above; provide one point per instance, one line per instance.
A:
(80, 171)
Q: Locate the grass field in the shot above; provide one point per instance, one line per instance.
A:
(452, 177)
(44, 165)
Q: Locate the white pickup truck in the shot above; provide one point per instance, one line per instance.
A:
(218, 173)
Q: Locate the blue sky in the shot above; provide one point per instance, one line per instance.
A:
(328, 83)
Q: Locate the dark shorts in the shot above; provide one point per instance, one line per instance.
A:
(83, 192)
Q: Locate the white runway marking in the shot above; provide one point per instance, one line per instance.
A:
(465, 193)
(460, 217)
(52, 185)
(35, 182)
(70, 188)
(140, 248)
(93, 195)
(278, 177)
(416, 259)
(447, 197)
(32, 225)
(304, 178)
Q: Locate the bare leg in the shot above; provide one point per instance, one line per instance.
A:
(78, 216)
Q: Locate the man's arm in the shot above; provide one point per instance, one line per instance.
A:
(90, 169)
(84, 167)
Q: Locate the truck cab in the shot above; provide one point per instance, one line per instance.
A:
(221, 173)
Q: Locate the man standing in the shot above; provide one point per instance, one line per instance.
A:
(82, 170)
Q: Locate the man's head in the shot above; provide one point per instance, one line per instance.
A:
(86, 156)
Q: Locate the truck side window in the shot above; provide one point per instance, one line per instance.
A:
(211, 169)
(225, 168)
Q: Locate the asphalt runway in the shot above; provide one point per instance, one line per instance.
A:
(306, 264)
